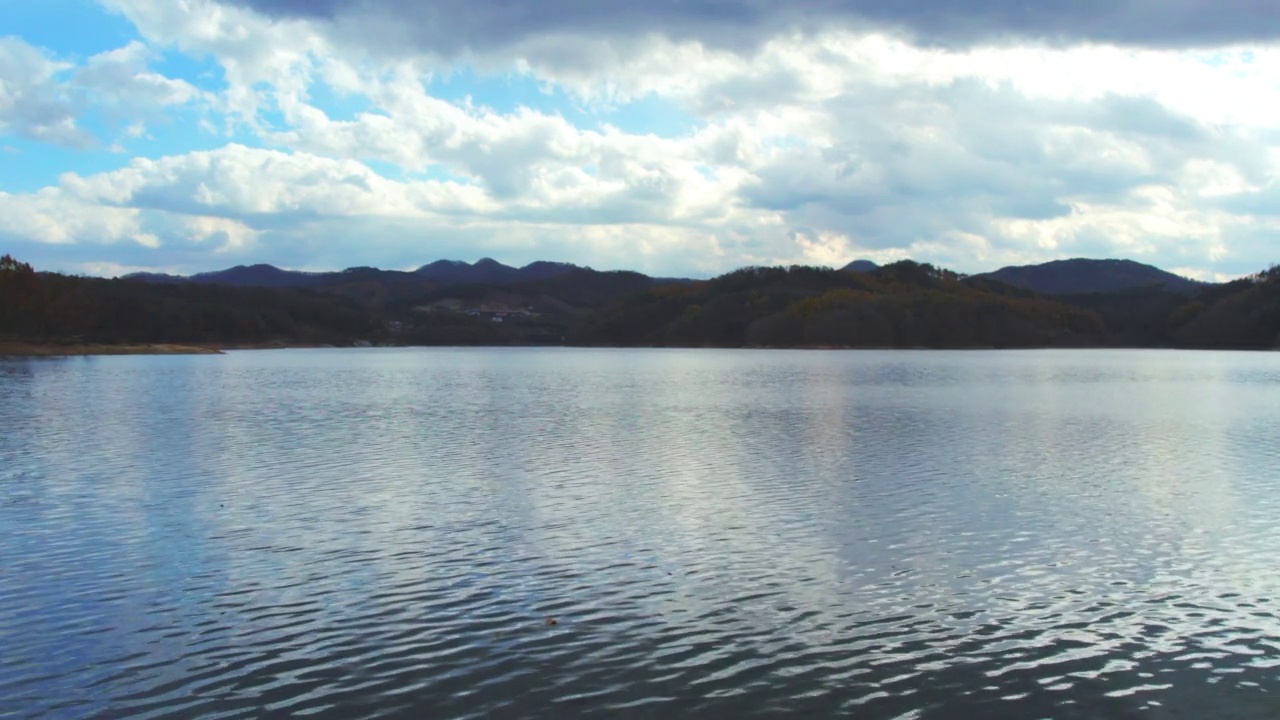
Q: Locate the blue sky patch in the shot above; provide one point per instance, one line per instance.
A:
(507, 93)
(204, 73)
(30, 165)
(70, 29)
(339, 106)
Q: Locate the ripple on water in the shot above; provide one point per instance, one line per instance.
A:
(534, 533)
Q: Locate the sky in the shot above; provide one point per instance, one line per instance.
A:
(675, 137)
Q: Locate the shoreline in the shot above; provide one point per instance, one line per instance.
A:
(25, 349)
(22, 348)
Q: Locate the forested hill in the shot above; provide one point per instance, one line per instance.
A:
(52, 307)
(1240, 314)
(1081, 276)
(544, 305)
(912, 305)
(905, 304)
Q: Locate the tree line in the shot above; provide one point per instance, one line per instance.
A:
(905, 304)
(53, 307)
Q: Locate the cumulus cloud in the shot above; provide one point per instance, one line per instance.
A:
(60, 230)
(34, 103)
(818, 131)
(120, 80)
(240, 204)
(50, 217)
(43, 99)
(265, 188)
(529, 164)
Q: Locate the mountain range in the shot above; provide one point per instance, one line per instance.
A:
(1078, 303)
(1059, 277)
(444, 272)
(1082, 276)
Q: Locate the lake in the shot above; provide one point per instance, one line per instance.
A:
(512, 533)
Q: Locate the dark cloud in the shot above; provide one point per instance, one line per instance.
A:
(452, 26)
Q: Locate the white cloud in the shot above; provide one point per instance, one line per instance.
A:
(56, 217)
(34, 102)
(298, 208)
(804, 147)
(264, 186)
(253, 51)
(120, 81)
(49, 216)
(43, 99)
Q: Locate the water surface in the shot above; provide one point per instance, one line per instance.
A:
(556, 533)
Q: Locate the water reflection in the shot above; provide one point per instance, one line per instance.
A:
(383, 533)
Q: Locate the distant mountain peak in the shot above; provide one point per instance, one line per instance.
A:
(549, 263)
(259, 275)
(154, 277)
(445, 264)
(442, 272)
(488, 270)
(1080, 276)
(860, 266)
